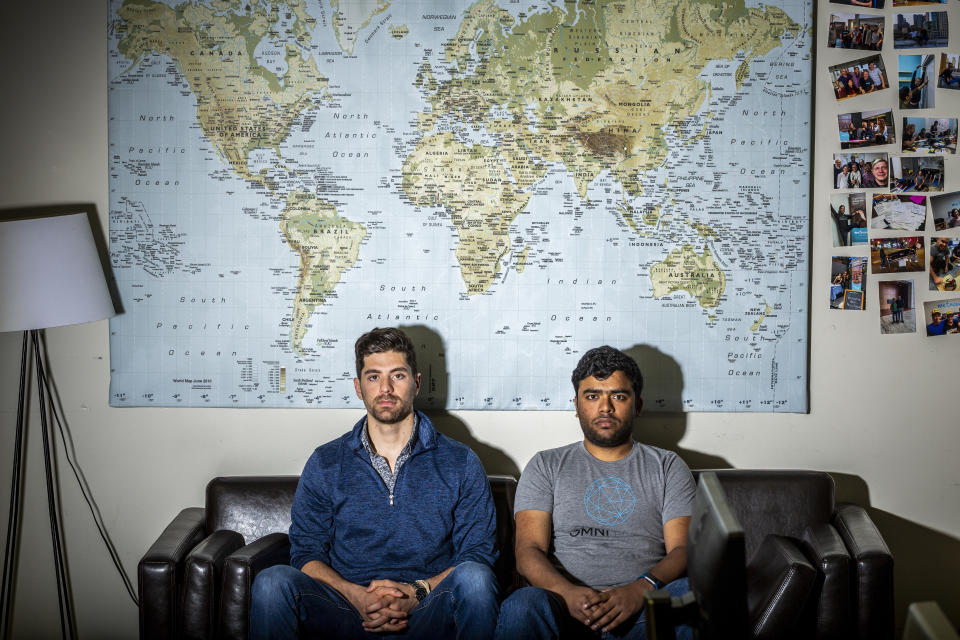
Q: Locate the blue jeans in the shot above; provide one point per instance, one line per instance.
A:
(287, 603)
(533, 613)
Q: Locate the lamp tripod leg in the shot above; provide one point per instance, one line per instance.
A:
(16, 490)
(63, 585)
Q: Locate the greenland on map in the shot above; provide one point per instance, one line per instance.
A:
(511, 182)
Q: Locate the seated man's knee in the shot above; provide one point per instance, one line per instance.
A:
(273, 582)
(525, 600)
(474, 578)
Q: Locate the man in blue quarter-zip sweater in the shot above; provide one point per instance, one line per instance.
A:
(393, 525)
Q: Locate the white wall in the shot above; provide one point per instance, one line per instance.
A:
(882, 407)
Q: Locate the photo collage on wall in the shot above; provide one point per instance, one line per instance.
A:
(894, 212)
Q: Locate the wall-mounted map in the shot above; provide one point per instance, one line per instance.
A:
(513, 182)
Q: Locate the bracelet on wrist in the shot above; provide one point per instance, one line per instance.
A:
(654, 582)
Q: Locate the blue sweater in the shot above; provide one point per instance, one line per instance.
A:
(442, 512)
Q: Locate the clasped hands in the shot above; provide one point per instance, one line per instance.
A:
(384, 605)
(607, 609)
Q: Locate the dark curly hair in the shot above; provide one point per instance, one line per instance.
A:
(383, 340)
(601, 362)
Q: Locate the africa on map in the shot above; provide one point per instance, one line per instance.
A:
(512, 183)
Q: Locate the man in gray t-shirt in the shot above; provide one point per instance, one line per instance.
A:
(599, 522)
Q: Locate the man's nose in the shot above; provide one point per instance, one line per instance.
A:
(386, 384)
(606, 405)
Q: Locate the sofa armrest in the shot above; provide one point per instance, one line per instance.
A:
(201, 584)
(779, 580)
(239, 570)
(831, 606)
(160, 573)
(872, 572)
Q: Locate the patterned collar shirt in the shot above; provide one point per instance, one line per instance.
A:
(380, 463)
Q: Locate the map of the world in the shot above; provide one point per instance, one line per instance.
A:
(511, 182)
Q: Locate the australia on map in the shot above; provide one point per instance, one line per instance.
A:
(512, 183)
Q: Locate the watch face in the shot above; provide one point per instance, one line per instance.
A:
(420, 591)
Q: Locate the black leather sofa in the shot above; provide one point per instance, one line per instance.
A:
(816, 569)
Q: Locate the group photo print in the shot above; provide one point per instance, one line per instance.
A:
(929, 135)
(860, 170)
(866, 129)
(856, 31)
(859, 77)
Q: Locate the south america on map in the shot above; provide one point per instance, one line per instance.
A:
(512, 183)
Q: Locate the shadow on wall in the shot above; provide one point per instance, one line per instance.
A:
(926, 563)
(432, 400)
(662, 422)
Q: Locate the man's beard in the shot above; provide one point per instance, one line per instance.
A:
(614, 438)
(390, 415)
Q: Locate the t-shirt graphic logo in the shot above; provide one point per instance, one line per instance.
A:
(609, 501)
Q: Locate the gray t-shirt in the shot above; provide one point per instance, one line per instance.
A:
(608, 517)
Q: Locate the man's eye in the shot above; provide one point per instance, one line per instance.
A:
(372, 378)
(399, 376)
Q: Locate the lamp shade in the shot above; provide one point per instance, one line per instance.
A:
(50, 274)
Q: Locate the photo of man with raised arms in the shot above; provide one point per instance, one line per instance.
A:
(600, 521)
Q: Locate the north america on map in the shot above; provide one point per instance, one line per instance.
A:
(512, 183)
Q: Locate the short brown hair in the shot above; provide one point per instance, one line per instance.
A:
(383, 340)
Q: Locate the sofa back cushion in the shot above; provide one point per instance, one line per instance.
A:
(253, 506)
(778, 502)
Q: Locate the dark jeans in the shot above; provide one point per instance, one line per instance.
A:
(287, 603)
(532, 613)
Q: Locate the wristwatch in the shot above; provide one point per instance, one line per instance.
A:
(420, 589)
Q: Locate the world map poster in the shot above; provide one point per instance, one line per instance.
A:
(511, 182)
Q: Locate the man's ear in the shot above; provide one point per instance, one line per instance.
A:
(417, 378)
(356, 387)
(639, 404)
(576, 407)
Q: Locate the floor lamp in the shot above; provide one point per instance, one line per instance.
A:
(50, 276)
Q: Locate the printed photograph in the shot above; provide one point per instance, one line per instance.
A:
(944, 263)
(859, 77)
(866, 129)
(916, 3)
(946, 212)
(847, 279)
(900, 213)
(913, 76)
(896, 255)
(916, 173)
(849, 214)
(870, 4)
(930, 135)
(942, 317)
(920, 29)
(860, 170)
(948, 76)
(897, 313)
(855, 31)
